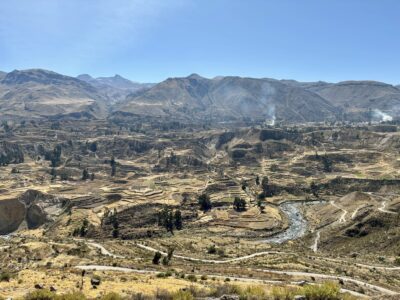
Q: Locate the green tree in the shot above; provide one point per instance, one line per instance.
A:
(113, 165)
(205, 202)
(93, 147)
(178, 220)
(169, 222)
(84, 228)
(314, 189)
(265, 184)
(327, 164)
(156, 258)
(115, 225)
(239, 204)
(85, 174)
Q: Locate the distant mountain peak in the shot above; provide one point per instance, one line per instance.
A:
(40, 76)
(195, 76)
(84, 77)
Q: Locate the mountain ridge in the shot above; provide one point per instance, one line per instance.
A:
(115, 88)
(37, 93)
(41, 93)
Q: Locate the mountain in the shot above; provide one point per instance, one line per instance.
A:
(228, 98)
(41, 93)
(2, 75)
(357, 98)
(114, 88)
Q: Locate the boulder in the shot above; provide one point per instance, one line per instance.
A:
(12, 214)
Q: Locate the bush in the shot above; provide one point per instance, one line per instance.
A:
(397, 261)
(239, 204)
(326, 291)
(212, 249)
(192, 278)
(71, 296)
(205, 202)
(5, 276)
(156, 258)
(162, 294)
(111, 296)
(225, 289)
(283, 293)
(183, 295)
(252, 292)
(40, 295)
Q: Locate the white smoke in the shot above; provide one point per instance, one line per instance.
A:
(267, 94)
(380, 116)
(270, 119)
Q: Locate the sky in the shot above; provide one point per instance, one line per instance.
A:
(151, 40)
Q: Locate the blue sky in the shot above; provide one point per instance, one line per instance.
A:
(150, 40)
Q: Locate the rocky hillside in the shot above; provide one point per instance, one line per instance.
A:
(361, 99)
(40, 93)
(227, 99)
(114, 88)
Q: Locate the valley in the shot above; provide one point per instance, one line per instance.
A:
(150, 208)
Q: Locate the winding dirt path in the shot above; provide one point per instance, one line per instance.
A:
(289, 273)
(354, 214)
(245, 257)
(103, 250)
(342, 218)
(384, 210)
(254, 280)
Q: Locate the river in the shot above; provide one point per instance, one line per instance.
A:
(297, 223)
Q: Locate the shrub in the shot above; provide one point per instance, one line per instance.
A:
(111, 296)
(225, 289)
(239, 204)
(205, 202)
(156, 258)
(5, 276)
(326, 291)
(283, 293)
(397, 261)
(71, 296)
(192, 278)
(183, 295)
(40, 295)
(212, 249)
(162, 294)
(252, 292)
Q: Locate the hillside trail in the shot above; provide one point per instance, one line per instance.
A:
(342, 218)
(255, 280)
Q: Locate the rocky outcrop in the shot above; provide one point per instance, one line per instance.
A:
(12, 214)
(31, 210)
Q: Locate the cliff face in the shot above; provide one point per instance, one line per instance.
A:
(31, 209)
(12, 214)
